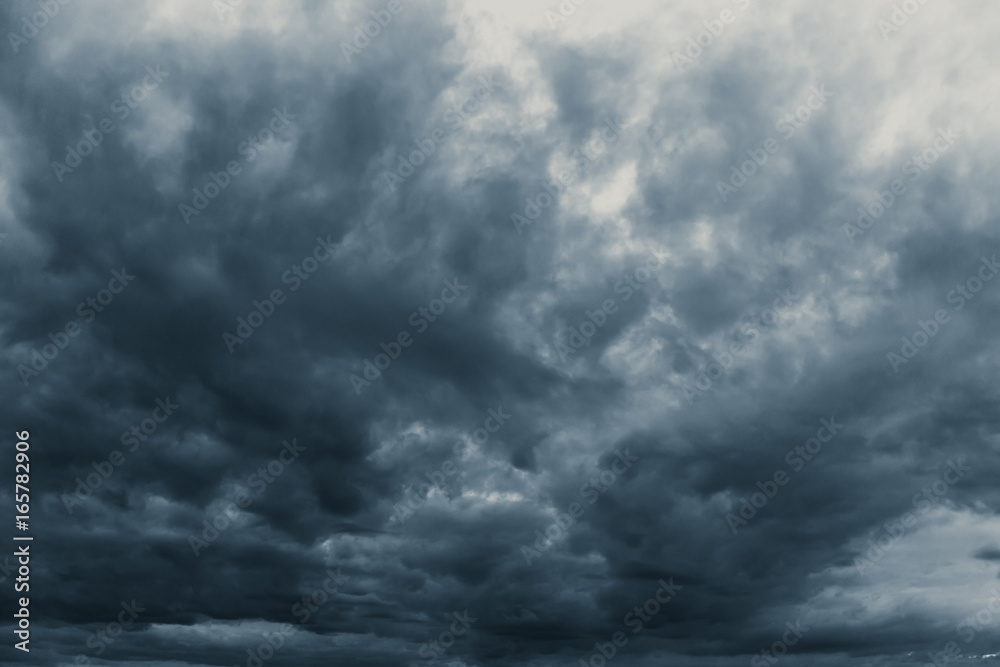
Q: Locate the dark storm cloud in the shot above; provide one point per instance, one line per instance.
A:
(406, 507)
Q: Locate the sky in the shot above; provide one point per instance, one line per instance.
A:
(483, 334)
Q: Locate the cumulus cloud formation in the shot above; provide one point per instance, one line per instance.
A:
(489, 334)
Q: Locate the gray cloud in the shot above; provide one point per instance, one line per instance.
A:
(201, 82)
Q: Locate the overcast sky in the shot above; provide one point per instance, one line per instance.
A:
(483, 334)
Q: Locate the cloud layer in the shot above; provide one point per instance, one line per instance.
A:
(472, 334)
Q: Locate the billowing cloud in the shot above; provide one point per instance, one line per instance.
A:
(472, 334)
